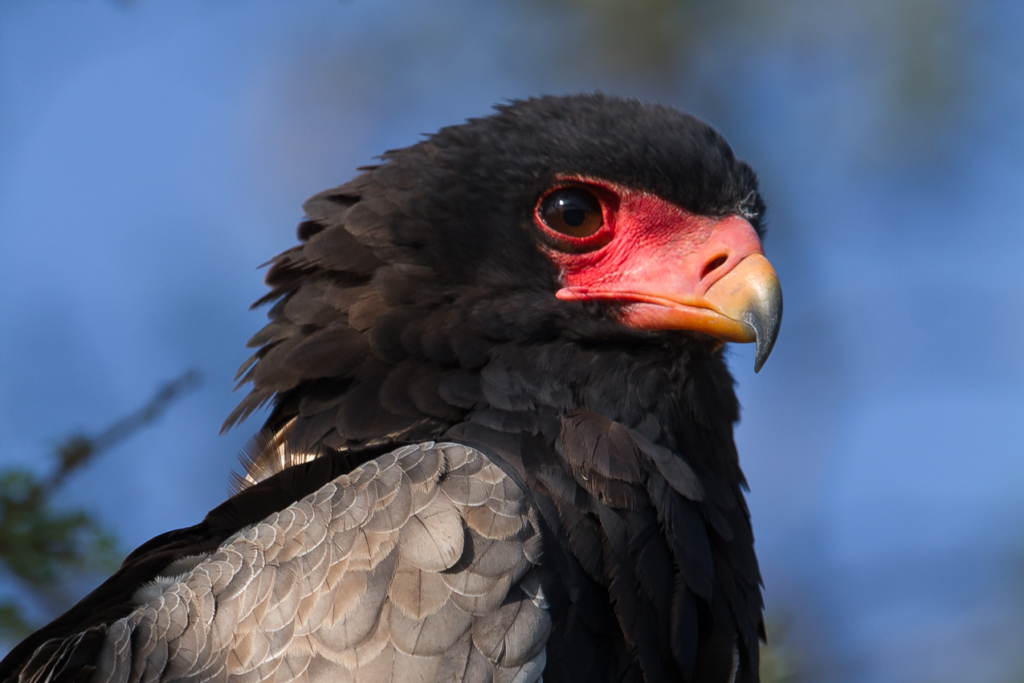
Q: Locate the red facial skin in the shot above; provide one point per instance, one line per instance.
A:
(657, 260)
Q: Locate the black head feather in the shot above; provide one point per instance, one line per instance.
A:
(433, 254)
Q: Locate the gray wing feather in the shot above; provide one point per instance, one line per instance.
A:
(417, 567)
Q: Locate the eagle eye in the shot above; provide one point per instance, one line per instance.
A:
(572, 211)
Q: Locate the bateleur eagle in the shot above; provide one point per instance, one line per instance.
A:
(501, 437)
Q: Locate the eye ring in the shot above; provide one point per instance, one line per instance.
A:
(572, 211)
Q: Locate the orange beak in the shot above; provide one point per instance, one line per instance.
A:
(723, 287)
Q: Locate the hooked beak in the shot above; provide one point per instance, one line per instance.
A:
(724, 288)
(750, 295)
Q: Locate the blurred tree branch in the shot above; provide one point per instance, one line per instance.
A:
(40, 543)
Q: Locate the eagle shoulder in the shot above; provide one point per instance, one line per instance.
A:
(419, 565)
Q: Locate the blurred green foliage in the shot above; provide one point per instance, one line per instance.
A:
(918, 51)
(638, 38)
(780, 661)
(43, 544)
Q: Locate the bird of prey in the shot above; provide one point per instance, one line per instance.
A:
(500, 444)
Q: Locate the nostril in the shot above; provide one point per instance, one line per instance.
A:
(713, 265)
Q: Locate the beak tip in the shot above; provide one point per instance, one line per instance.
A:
(764, 349)
(766, 321)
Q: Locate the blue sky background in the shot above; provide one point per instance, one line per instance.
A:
(153, 153)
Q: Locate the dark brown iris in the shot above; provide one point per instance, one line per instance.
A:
(572, 211)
